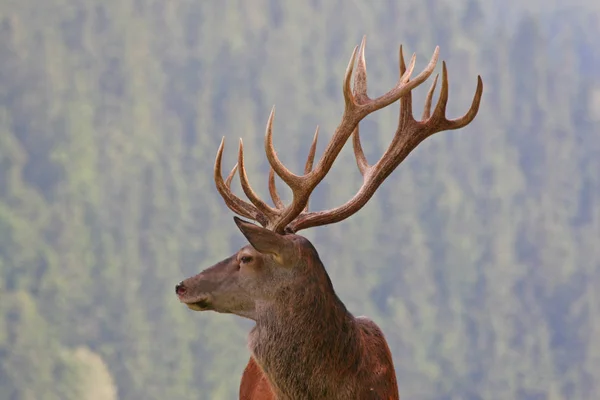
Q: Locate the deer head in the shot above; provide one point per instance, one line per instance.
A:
(275, 259)
(257, 272)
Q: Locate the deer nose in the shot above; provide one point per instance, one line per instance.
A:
(180, 289)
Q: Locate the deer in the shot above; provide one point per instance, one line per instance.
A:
(305, 344)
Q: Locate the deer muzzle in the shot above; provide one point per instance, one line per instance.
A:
(194, 299)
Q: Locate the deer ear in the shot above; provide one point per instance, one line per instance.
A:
(263, 240)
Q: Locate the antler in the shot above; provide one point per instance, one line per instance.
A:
(358, 105)
(307, 168)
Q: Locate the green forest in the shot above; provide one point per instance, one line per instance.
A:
(479, 256)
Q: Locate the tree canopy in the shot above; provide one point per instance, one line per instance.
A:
(478, 257)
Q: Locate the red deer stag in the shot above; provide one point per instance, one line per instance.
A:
(305, 343)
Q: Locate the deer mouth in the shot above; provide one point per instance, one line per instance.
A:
(199, 305)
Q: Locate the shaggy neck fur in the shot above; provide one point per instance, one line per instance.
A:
(305, 341)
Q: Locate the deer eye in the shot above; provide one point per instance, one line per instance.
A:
(245, 259)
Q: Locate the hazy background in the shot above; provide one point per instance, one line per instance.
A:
(479, 257)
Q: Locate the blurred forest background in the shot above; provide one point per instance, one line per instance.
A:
(479, 257)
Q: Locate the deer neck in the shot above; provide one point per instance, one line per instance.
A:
(306, 340)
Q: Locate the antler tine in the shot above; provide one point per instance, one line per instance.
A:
(472, 112)
(273, 190)
(310, 160)
(402, 64)
(406, 101)
(361, 160)
(440, 108)
(307, 168)
(438, 121)
(429, 99)
(231, 175)
(406, 114)
(263, 207)
(311, 152)
(292, 180)
(347, 87)
(234, 203)
(360, 78)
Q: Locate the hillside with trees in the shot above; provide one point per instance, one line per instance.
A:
(479, 257)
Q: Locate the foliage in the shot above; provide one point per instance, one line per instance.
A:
(478, 257)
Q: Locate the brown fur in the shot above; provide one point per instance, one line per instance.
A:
(255, 385)
(310, 346)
